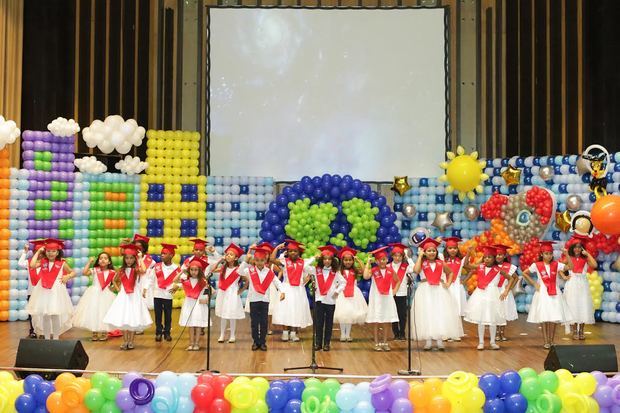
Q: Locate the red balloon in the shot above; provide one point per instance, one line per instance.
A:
(220, 406)
(219, 385)
(202, 395)
(206, 378)
(605, 214)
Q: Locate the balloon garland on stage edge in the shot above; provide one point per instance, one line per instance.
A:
(512, 391)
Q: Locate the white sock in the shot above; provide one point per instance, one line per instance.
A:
(222, 327)
(429, 343)
(439, 343)
(343, 330)
(233, 326)
(348, 329)
(481, 334)
(492, 331)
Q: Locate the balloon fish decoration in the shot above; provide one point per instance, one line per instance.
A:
(401, 185)
(464, 173)
(511, 175)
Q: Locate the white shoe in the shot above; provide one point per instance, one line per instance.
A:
(349, 339)
(480, 347)
(285, 335)
(494, 346)
(294, 336)
(220, 339)
(343, 339)
(231, 340)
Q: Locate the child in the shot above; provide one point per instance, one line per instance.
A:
(199, 251)
(328, 285)
(228, 305)
(195, 310)
(129, 311)
(50, 305)
(577, 289)
(381, 305)
(97, 299)
(502, 260)
(163, 275)
(548, 304)
(294, 312)
(484, 307)
(433, 312)
(142, 243)
(351, 306)
(259, 277)
(273, 292)
(401, 269)
(33, 276)
(456, 263)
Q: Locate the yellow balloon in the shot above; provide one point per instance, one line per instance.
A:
(464, 173)
(565, 388)
(564, 375)
(474, 399)
(586, 383)
(574, 403)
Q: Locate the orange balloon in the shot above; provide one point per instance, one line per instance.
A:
(63, 380)
(72, 394)
(605, 214)
(4, 315)
(433, 386)
(84, 384)
(439, 404)
(54, 403)
(419, 396)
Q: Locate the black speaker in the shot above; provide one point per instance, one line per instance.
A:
(578, 359)
(50, 354)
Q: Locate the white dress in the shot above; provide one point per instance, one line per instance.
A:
(547, 308)
(578, 297)
(94, 305)
(509, 304)
(381, 307)
(351, 310)
(457, 290)
(484, 306)
(194, 313)
(228, 303)
(129, 310)
(51, 308)
(432, 312)
(294, 310)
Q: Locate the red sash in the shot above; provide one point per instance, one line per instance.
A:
(128, 282)
(162, 281)
(260, 287)
(548, 279)
(34, 275)
(294, 271)
(48, 277)
(401, 273)
(506, 267)
(324, 285)
(104, 282)
(383, 282)
(433, 277)
(349, 288)
(455, 265)
(147, 261)
(226, 282)
(579, 264)
(485, 279)
(195, 291)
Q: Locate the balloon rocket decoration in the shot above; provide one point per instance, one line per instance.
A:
(598, 159)
(464, 173)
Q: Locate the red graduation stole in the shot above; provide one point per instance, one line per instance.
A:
(485, 279)
(104, 282)
(226, 282)
(147, 261)
(579, 264)
(401, 273)
(325, 284)
(349, 288)
(34, 275)
(433, 277)
(48, 276)
(129, 282)
(383, 282)
(506, 267)
(260, 287)
(455, 265)
(195, 291)
(294, 271)
(162, 281)
(548, 279)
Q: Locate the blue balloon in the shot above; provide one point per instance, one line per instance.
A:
(44, 389)
(344, 185)
(31, 383)
(386, 222)
(363, 193)
(276, 398)
(510, 382)
(494, 406)
(277, 383)
(318, 193)
(272, 217)
(40, 409)
(384, 211)
(308, 188)
(287, 191)
(350, 194)
(277, 229)
(297, 188)
(295, 388)
(265, 225)
(282, 200)
(364, 407)
(283, 212)
(25, 403)
(490, 384)
(382, 232)
(334, 192)
(394, 231)
(266, 235)
(336, 179)
(293, 406)
(306, 180)
(316, 181)
(373, 195)
(357, 184)
(273, 207)
(516, 403)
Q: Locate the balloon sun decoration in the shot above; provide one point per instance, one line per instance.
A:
(464, 173)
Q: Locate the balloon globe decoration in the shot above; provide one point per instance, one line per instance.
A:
(464, 173)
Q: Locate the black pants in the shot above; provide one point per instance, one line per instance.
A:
(30, 321)
(324, 323)
(259, 313)
(162, 305)
(398, 328)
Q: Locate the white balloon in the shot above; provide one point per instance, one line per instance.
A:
(8, 132)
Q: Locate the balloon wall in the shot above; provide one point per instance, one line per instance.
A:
(8, 290)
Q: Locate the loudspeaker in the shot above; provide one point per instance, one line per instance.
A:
(50, 354)
(578, 359)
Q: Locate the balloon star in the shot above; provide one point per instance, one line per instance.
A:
(463, 173)
(511, 175)
(401, 185)
(442, 221)
(562, 221)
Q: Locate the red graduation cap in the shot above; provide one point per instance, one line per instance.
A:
(237, 250)
(261, 253)
(501, 248)
(397, 247)
(577, 239)
(379, 253)
(54, 244)
(129, 249)
(291, 244)
(546, 246)
(328, 251)
(168, 248)
(488, 250)
(37, 243)
(428, 243)
(452, 241)
(138, 237)
(266, 246)
(199, 244)
(197, 262)
(347, 251)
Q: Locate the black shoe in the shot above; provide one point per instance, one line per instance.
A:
(32, 335)
(254, 347)
(317, 347)
(326, 347)
(263, 347)
(202, 331)
(158, 337)
(167, 337)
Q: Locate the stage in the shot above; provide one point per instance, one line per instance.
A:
(357, 358)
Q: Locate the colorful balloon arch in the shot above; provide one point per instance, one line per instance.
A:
(334, 209)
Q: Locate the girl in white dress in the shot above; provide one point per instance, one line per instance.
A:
(97, 299)
(484, 307)
(457, 263)
(50, 305)
(33, 275)
(433, 311)
(351, 307)
(228, 305)
(129, 312)
(577, 289)
(142, 243)
(381, 306)
(502, 260)
(195, 310)
(548, 304)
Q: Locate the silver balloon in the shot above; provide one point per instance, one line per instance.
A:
(546, 173)
(573, 202)
(442, 221)
(409, 210)
(616, 264)
(583, 166)
(471, 212)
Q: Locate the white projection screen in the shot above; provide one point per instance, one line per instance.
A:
(296, 92)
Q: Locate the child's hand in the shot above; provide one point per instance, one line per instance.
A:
(420, 252)
(503, 296)
(210, 249)
(65, 279)
(537, 287)
(41, 250)
(26, 247)
(282, 295)
(280, 246)
(143, 293)
(335, 295)
(203, 301)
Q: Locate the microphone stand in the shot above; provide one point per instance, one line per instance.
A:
(409, 371)
(208, 368)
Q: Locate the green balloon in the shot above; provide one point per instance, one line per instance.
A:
(110, 387)
(549, 381)
(110, 407)
(329, 406)
(331, 387)
(527, 372)
(312, 382)
(97, 379)
(531, 388)
(311, 405)
(548, 402)
(93, 400)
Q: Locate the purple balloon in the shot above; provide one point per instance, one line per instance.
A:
(142, 391)
(124, 400)
(129, 377)
(382, 400)
(399, 389)
(402, 405)
(604, 395)
(29, 165)
(27, 145)
(143, 409)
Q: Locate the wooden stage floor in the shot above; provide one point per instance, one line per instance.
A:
(357, 358)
